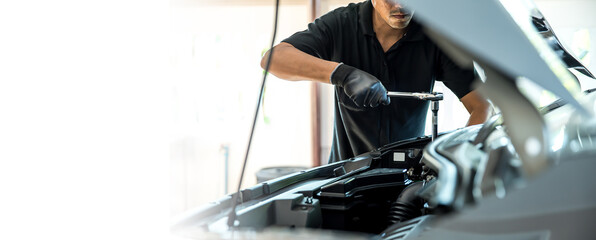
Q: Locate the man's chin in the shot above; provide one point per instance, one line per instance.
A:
(400, 25)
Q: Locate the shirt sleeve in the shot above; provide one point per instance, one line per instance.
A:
(459, 80)
(317, 40)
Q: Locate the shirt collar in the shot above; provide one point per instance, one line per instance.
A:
(365, 19)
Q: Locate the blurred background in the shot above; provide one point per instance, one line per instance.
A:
(117, 115)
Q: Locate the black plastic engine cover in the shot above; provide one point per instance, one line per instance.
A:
(361, 202)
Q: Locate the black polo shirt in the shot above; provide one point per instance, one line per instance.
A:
(411, 65)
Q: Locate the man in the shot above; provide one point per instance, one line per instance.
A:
(365, 49)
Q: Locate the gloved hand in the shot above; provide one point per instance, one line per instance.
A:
(364, 89)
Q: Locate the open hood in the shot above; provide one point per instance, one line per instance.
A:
(512, 45)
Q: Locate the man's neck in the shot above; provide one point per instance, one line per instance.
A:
(383, 29)
(386, 35)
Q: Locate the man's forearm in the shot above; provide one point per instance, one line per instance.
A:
(479, 116)
(292, 64)
(478, 107)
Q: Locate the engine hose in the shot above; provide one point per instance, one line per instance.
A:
(407, 206)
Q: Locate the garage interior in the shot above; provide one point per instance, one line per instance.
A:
(299, 138)
(119, 115)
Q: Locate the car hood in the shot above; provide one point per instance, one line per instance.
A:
(512, 45)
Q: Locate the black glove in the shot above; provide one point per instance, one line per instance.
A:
(364, 89)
